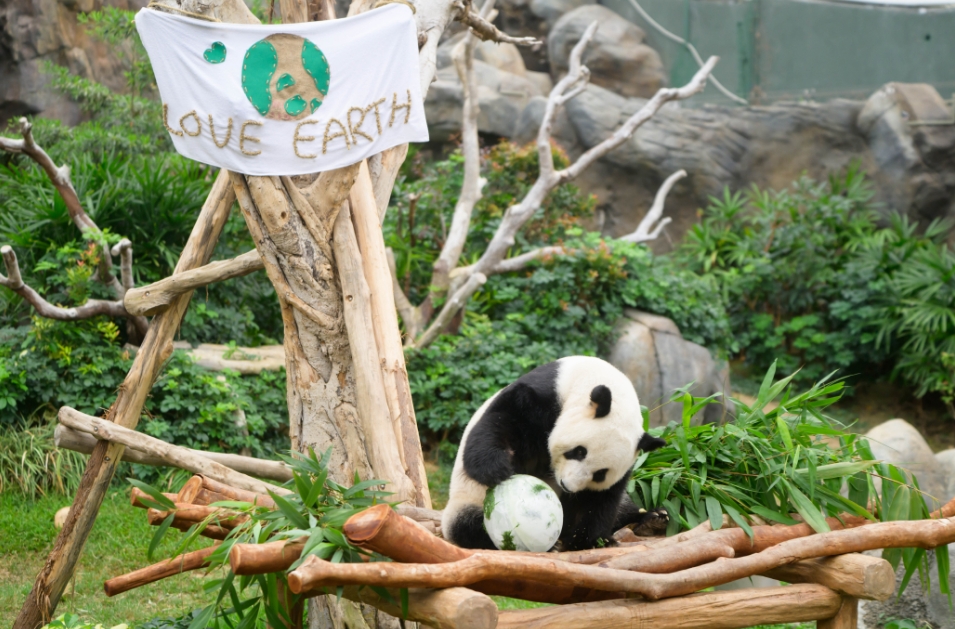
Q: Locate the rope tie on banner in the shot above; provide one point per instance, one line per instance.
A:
(165, 7)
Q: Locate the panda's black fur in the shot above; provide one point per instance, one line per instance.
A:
(510, 435)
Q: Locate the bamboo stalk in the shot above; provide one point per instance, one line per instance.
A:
(315, 573)
(364, 212)
(166, 568)
(156, 347)
(153, 298)
(710, 610)
(174, 455)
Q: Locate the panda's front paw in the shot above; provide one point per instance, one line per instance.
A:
(652, 522)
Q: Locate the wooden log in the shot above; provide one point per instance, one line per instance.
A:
(246, 559)
(211, 531)
(371, 242)
(50, 583)
(166, 568)
(193, 514)
(490, 565)
(452, 608)
(853, 575)
(710, 610)
(379, 432)
(153, 298)
(221, 491)
(136, 497)
(846, 618)
(679, 557)
(175, 456)
(66, 437)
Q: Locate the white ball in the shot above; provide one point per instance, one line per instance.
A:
(523, 513)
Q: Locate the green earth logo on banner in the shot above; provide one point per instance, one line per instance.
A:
(285, 77)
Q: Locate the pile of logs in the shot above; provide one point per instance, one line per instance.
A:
(639, 583)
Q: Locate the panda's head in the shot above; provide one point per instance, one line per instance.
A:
(599, 431)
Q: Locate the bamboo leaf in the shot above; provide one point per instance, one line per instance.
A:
(714, 512)
(158, 535)
(809, 512)
(784, 432)
(289, 511)
(159, 501)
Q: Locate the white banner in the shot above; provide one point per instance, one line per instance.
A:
(287, 99)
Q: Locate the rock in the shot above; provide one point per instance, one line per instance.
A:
(916, 161)
(946, 459)
(658, 360)
(929, 610)
(898, 442)
(616, 56)
(542, 80)
(502, 97)
(504, 56)
(38, 31)
(552, 10)
(515, 17)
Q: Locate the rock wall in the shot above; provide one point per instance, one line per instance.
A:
(911, 164)
(36, 31)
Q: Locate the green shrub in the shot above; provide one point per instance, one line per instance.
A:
(32, 465)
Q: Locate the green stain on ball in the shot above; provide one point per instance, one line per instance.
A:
(489, 503)
(284, 81)
(539, 488)
(507, 541)
(257, 69)
(295, 105)
(215, 53)
(315, 63)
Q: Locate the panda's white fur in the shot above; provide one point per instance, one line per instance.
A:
(575, 424)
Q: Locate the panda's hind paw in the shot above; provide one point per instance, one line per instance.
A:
(653, 522)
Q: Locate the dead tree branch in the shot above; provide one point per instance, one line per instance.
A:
(646, 231)
(494, 260)
(481, 27)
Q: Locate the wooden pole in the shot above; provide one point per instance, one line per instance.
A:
(371, 242)
(711, 610)
(166, 568)
(854, 575)
(156, 348)
(66, 437)
(846, 618)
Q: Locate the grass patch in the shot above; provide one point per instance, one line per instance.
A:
(117, 544)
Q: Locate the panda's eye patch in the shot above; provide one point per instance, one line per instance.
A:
(600, 475)
(577, 454)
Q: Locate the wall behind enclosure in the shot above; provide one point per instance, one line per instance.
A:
(772, 50)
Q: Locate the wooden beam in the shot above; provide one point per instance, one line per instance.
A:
(846, 618)
(453, 608)
(69, 439)
(712, 610)
(166, 568)
(855, 575)
(175, 456)
(156, 348)
(153, 298)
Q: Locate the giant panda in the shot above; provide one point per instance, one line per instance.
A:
(574, 423)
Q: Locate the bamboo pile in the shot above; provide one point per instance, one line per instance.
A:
(641, 583)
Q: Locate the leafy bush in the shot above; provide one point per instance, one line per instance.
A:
(72, 621)
(31, 465)
(811, 280)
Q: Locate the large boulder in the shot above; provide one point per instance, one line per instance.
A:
(502, 96)
(617, 57)
(898, 442)
(658, 361)
(552, 10)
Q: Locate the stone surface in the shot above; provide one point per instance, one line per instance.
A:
(502, 96)
(35, 32)
(552, 10)
(505, 56)
(898, 442)
(946, 459)
(616, 56)
(928, 610)
(658, 361)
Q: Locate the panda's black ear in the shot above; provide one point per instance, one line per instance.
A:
(602, 398)
(648, 442)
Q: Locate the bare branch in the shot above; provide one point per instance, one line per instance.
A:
(124, 249)
(487, 31)
(463, 57)
(456, 303)
(92, 308)
(645, 231)
(652, 106)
